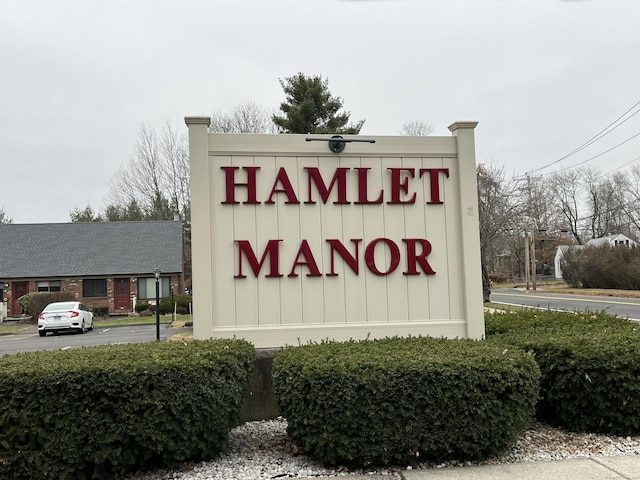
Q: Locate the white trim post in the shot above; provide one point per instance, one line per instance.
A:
(470, 227)
(202, 281)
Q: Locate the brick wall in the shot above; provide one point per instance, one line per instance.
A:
(74, 285)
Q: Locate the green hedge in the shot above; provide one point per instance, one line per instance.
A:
(97, 411)
(141, 307)
(390, 400)
(39, 300)
(24, 301)
(100, 311)
(180, 299)
(590, 365)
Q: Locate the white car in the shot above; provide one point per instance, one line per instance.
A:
(65, 317)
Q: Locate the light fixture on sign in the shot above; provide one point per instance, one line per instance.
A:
(337, 142)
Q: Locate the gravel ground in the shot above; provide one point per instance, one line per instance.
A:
(261, 450)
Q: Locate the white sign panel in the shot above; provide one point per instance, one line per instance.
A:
(292, 242)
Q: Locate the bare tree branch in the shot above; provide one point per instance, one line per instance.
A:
(156, 178)
(416, 128)
(243, 118)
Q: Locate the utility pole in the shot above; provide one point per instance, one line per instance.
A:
(533, 259)
(529, 234)
(527, 262)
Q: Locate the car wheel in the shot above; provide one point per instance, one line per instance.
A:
(42, 333)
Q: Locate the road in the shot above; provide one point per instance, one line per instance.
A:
(622, 307)
(31, 341)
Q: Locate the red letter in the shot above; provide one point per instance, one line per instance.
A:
(433, 181)
(231, 184)
(413, 257)
(352, 261)
(363, 187)
(283, 178)
(369, 256)
(310, 262)
(398, 185)
(272, 250)
(340, 176)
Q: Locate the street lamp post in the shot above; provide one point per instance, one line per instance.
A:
(173, 306)
(156, 272)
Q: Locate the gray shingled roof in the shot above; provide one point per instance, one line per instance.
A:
(86, 249)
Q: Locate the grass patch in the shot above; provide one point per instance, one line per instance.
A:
(13, 328)
(560, 287)
(505, 307)
(602, 292)
(115, 321)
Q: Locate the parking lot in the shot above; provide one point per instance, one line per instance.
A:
(28, 339)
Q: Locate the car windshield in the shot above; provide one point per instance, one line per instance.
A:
(56, 307)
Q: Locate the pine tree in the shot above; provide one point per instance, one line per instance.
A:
(311, 108)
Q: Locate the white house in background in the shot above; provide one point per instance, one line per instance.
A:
(616, 240)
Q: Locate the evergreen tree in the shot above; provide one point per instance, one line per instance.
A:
(310, 108)
(87, 215)
(4, 218)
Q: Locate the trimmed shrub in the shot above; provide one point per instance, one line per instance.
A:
(602, 267)
(100, 311)
(590, 364)
(24, 301)
(42, 299)
(180, 299)
(141, 307)
(390, 400)
(99, 411)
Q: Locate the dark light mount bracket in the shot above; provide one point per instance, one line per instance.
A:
(337, 142)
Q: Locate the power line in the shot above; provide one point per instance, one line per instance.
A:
(592, 158)
(605, 131)
(605, 174)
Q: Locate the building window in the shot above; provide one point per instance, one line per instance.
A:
(147, 288)
(94, 287)
(49, 286)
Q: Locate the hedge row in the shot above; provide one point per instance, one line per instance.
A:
(100, 311)
(182, 302)
(602, 267)
(390, 400)
(590, 364)
(97, 411)
(33, 303)
(100, 411)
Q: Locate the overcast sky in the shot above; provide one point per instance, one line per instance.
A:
(78, 78)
